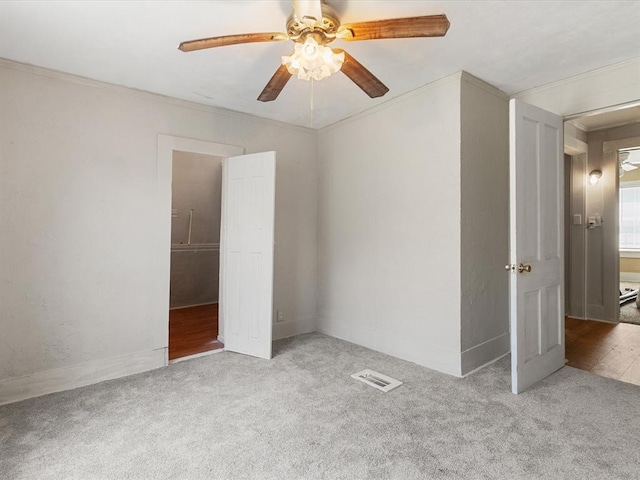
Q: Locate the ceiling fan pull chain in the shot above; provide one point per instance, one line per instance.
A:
(311, 106)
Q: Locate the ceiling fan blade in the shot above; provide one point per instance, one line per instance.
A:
(308, 9)
(627, 167)
(631, 156)
(275, 85)
(427, 26)
(362, 77)
(225, 40)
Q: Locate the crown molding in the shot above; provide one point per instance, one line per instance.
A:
(89, 82)
(478, 82)
(572, 79)
(455, 77)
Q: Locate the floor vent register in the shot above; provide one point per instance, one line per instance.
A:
(377, 380)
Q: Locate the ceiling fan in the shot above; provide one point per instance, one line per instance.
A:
(314, 24)
(629, 159)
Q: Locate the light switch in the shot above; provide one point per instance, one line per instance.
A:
(594, 222)
(577, 219)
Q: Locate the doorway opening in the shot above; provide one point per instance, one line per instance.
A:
(167, 145)
(196, 194)
(246, 233)
(601, 213)
(629, 232)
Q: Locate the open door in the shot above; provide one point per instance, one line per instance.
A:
(536, 244)
(246, 253)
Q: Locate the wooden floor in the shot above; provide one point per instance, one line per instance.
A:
(193, 330)
(605, 349)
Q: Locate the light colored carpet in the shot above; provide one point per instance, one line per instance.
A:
(301, 416)
(629, 312)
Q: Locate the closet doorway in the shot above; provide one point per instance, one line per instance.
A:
(196, 194)
(246, 240)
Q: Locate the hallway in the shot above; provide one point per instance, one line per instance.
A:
(604, 349)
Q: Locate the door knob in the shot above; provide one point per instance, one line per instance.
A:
(521, 268)
(524, 268)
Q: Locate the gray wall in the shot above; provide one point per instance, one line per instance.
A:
(484, 223)
(196, 184)
(194, 276)
(389, 227)
(575, 261)
(413, 233)
(592, 289)
(78, 189)
(602, 244)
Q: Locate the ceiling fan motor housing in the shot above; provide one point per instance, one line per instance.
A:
(323, 31)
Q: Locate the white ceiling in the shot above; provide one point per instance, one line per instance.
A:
(513, 45)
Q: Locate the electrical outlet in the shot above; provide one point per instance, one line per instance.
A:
(279, 316)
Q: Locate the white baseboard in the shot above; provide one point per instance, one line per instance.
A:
(396, 344)
(290, 329)
(74, 376)
(630, 277)
(66, 378)
(195, 355)
(485, 353)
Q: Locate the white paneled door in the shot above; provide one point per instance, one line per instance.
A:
(246, 247)
(536, 245)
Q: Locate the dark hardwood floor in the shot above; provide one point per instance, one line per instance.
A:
(193, 330)
(604, 349)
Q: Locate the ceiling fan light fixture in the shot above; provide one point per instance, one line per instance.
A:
(312, 60)
(311, 26)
